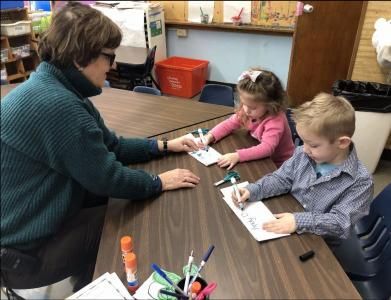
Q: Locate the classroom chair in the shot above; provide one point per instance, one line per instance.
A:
(138, 74)
(147, 90)
(295, 136)
(366, 254)
(217, 94)
(16, 261)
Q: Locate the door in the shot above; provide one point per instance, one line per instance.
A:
(323, 44)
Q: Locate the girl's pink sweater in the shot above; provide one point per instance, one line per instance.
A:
(273, 134)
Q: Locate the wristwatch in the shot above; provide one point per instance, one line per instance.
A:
(165, 147)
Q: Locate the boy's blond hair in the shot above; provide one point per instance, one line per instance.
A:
(327, 115)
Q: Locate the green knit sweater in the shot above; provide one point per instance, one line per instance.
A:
(54, 148)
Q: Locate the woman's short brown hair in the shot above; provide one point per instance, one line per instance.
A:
(78, 33)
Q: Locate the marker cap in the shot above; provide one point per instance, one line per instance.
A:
(126, 243)
(130, 260)
(196, 287)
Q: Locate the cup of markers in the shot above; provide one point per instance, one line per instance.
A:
(192, 286)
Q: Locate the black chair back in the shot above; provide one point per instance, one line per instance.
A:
(217, 94)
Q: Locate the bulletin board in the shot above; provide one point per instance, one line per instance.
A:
(264, 15)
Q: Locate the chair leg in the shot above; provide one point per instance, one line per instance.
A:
(154, 81)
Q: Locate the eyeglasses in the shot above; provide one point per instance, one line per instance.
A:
(111, 57)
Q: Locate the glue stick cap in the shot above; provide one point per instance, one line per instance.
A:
(126, 243)
(196, 287)
(130, 260)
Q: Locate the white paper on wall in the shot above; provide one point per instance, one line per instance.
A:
(131, 23)
(233, 8)
(194, 11)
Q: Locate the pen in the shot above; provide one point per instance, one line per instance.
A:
(165, 277)
(236, 189)
(189, 264)
(202, 264)
(203, 140)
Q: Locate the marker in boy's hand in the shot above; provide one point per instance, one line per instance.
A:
(244, 195)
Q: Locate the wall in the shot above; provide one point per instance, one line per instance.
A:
(230, 53)
(365, 66)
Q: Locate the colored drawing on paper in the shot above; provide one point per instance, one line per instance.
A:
(274, 13)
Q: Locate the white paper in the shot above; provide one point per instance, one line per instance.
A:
(150, 288)
(107, 286)
(194, 12)
(207, 158)
(232, 8)
(253, 216)
(131, 23)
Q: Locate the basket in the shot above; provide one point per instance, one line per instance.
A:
(181, 76)
(16, 28)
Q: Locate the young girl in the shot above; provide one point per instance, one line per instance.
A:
(261, 111)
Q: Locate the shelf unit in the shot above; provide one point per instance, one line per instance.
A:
(18, 68)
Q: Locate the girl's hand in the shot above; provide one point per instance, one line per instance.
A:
(285, 223)
(181, 144)
(208, 140)
(228, 160)
(178, 178)
(244, 196)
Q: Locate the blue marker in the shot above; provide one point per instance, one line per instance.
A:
(165, 277)
(203, 262)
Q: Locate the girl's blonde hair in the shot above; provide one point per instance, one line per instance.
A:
(266, 89)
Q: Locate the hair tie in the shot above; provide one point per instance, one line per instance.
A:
(253, 75)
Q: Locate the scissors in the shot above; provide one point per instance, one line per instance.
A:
(204, 131)
(206, 291)
(227, 178)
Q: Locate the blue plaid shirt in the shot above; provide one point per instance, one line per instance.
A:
(331, 203)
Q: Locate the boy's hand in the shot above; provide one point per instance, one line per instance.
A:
(182, 143)
(228, 160)
(285, 223)
(244, 196)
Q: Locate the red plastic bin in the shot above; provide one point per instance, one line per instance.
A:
(181, 76)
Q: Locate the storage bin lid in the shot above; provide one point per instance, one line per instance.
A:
(182, 63)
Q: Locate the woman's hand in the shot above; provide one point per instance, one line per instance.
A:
(178, 178)
(285, 223)
(228, 160)
(244, 196)
(180, 144)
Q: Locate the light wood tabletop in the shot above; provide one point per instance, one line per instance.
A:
(166, 229)
(133, 114)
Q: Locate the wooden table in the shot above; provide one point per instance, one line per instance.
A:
(142, 115)
(136, 114)
(166, 229)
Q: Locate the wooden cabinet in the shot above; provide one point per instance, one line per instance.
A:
(19, 55)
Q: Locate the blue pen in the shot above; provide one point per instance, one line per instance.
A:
(165, 277)
(202, 264)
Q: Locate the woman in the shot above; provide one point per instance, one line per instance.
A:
(58, 158)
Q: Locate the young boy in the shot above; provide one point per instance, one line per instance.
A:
(324, 174)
